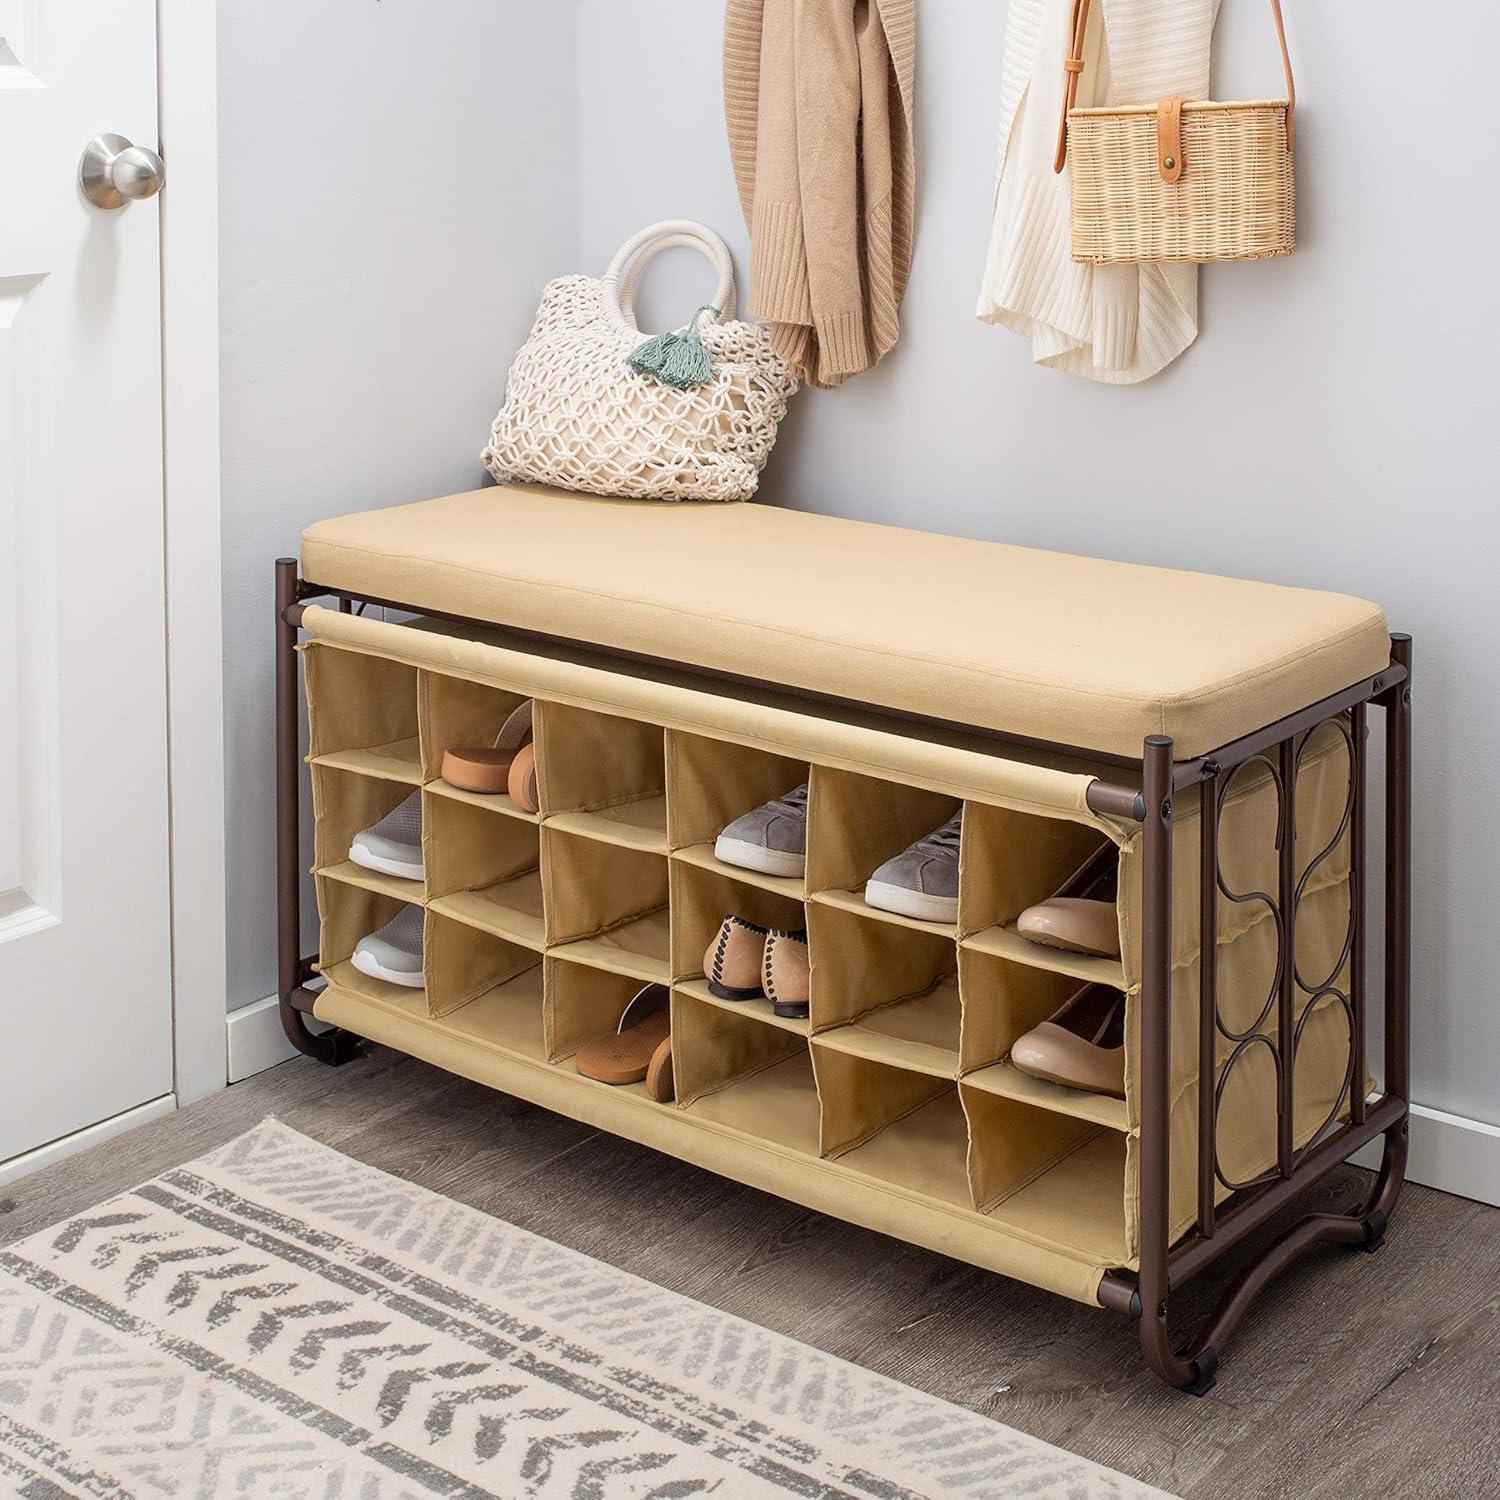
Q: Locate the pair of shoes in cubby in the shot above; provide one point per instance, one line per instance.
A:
(507, 766)
(393, 846)
(920, 882)
(638, 1050)
(1082, 1045)
(746, 961)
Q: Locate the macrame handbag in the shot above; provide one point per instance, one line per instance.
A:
(1178, 180)
(591, 404)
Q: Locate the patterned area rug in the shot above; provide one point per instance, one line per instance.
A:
(275, 1319)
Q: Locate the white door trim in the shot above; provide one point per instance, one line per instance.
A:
(187, 71)
(80, 1140)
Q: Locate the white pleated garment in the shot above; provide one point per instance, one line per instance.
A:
(1118, 324)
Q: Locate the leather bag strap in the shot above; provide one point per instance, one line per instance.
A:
(1073, 66)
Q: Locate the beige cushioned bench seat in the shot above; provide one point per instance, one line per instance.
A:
(1075, 650)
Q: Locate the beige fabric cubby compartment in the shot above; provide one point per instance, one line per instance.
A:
(455, 714)
(712, 782)
(583, 1002)
(897, 1126)
(362, 716)
(995, 886)
(702, 896)
(344, 802)
(345, 914)
(855, 824)
(603, 776)
(895, 1104)
(482, 867)
(884, 991)
(606, 904)
(461, 962)
(1052, 1178)
(745, 1076)
(1003, 999)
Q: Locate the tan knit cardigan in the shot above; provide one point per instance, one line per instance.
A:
(818, 99)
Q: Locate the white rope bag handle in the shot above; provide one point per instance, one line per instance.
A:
(624, 272)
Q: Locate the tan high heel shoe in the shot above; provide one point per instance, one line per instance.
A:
(1073, 924)
(1082, 1046)
(1080, 916)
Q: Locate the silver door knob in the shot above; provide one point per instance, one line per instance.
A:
(113, 171)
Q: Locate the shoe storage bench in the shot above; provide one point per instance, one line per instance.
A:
(894, 1104)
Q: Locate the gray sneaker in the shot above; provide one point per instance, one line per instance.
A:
(772, 839)
(394, 954)
(394, 845)
(921, 881)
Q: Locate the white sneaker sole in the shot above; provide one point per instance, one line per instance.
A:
(909, 903)
(402, 869)
(758, 857)
(367, 963)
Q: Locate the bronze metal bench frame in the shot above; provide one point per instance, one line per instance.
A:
(1144, 1296)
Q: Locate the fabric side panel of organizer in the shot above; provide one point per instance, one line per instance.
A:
(1024, 785)
(1247, 973)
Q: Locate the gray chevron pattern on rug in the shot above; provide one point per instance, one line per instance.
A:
(276, 1319)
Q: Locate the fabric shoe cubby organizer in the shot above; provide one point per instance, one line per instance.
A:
(1207, 737)
(894, 1104)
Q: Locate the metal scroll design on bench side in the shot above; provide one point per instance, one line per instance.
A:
(1291, 996)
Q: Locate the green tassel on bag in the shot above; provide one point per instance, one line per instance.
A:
(677, 359)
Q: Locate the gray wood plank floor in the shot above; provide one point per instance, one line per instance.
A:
(1356, 1375)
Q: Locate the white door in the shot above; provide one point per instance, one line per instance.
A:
(85, 1003)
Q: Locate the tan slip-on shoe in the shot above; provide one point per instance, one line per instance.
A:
(787, 973)
(1073, 924)
(1082, 1046)
(734, 960)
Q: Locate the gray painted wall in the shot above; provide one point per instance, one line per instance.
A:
(396, 195)
(1346, 392)
(397, 180)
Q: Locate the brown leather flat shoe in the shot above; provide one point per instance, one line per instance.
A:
(786, 973)
(1082, 1046)
(735, 959)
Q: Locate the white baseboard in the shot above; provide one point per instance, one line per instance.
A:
(1449, 1152)
(256, 1040)
(81, 1140)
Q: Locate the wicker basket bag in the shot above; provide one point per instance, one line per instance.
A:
(1178, 180)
